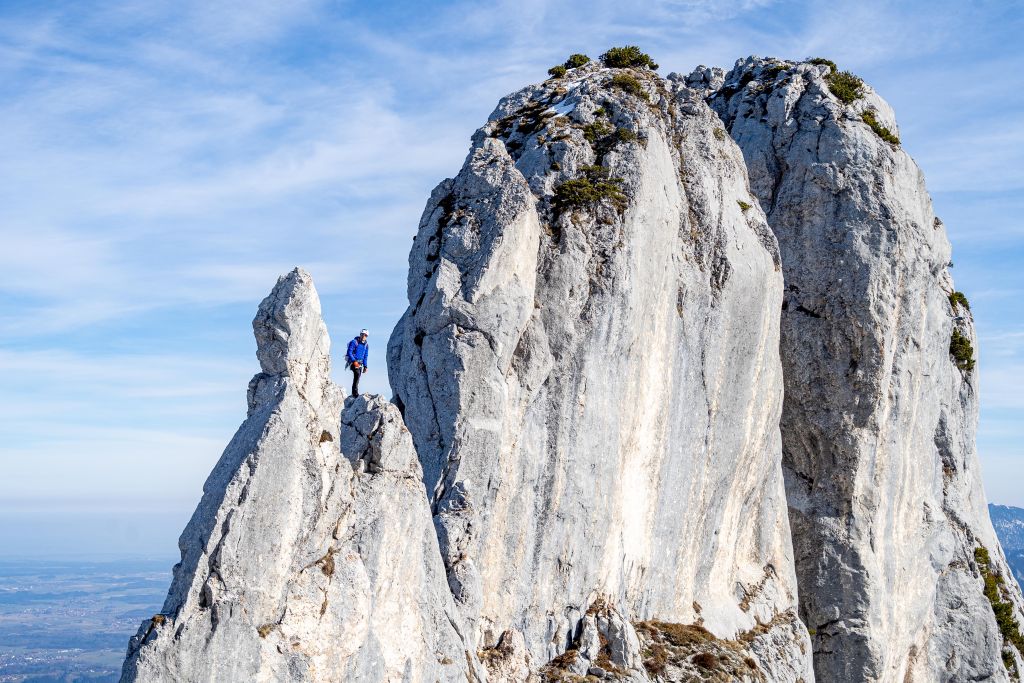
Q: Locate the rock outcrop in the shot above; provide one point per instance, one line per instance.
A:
(581, 473)
(589, 368)
(878, 428)
(304, 561)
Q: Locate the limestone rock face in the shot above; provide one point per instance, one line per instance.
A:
(878, 427)
(581, 473)
(589, 368)
(303, 561)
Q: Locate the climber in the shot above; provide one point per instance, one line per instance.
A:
(356, 358)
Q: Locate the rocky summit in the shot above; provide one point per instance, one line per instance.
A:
(684, 392)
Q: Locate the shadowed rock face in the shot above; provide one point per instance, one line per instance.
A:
(594, 391)
(878, 428)
(303, 561)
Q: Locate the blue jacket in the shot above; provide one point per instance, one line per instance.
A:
(358, 352)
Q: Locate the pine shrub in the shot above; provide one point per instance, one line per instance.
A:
(845, 86)
(628, 57)
(962, 351)
(881, 131)
(821, 61)
(625, 135)
(576, 60)
(1003, 611)
(959, 299)
(628, 84)
(594, 187)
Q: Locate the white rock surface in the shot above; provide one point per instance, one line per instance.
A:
(883, 480)
(595, 396)
(594, 393)
(303, 562)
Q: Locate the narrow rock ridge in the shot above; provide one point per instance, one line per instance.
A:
(304, 561)
(878, 427)
(589, 367)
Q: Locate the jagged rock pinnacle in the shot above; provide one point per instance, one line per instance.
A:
(304, 561)
(291, 337)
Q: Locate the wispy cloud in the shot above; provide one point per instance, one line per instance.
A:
(165, 162)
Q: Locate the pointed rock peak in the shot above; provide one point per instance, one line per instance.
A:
(291, 338)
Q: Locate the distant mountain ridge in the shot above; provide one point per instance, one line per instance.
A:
(1009, 524)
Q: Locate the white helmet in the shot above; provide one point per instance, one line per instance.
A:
(364, 331)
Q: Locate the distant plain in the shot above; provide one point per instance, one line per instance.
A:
(69, 620)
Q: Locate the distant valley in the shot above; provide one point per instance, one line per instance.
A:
(71, 620)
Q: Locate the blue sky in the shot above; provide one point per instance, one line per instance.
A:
(164, 162)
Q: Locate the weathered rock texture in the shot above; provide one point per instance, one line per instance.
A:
(590, 371)
(878, 428)
(594, 391)
(306, 562)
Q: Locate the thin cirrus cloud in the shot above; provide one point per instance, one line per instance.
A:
(165, 162)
